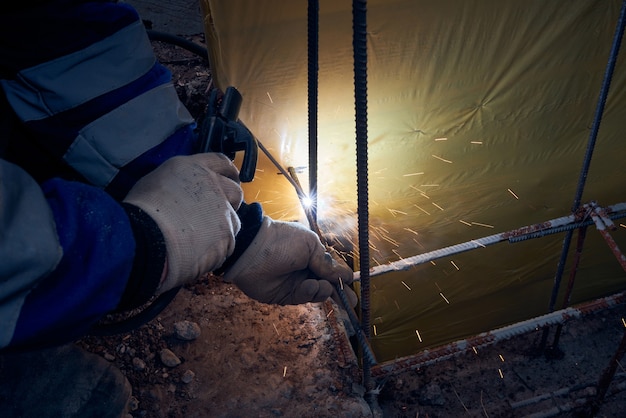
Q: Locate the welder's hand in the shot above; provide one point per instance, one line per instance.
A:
(193, 199)
(286, 264)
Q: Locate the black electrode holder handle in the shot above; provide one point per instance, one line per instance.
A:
(222, 131)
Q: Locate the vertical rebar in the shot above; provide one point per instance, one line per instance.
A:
(359, 45)
(313, 67)
(604, 91)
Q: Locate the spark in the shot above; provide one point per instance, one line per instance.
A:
(418, 243)
(501, 358)
(475, 351)
(455, 266)
(441, 139)
(444, 298)
(395, 211)
(405, 285)
(424, 195)
(479, 224)
(340, 283)
(375, 331)
(433, 263)
(390, 240)
(476, 142)
(413, 174)
(330, 313)
(429, 185)
(478, 243)
(442, 159)
(275, 329)
(622, 225)
(285, 371)
(465, 223)
(513, 193)
(437, 206)
(396, 253)
(501, 375)
(419, 337)
(411, 231)
(422, 210)
(397, 306)
(624, 322)
(269, 97)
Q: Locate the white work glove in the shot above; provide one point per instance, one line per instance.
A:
(286, 264)
(193, 199)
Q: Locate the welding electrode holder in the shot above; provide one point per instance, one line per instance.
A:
(222, 131)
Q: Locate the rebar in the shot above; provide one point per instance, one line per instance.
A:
(313, 68)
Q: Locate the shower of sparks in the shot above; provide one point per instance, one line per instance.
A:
(330, 313)
(285, 371)
(513, 193)
(419, 337)
(478, 243)
(441, 139)
(437, 206)
(270, 97)
(454, 264)
(375, 331)
(411, 231)
(501, 375)
(442, 159)
(444, 298)
(501, 358)
(480, 224)
(422, 210)
(476, 142)
(465, 223)
(475, 351)
(413, 174)
(405, 285)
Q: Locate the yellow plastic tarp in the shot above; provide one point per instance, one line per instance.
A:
(479, 117)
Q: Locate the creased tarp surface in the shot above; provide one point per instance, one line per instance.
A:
(479, 116)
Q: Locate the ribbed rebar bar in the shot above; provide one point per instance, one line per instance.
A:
(604, 91)
(313, 68)
(359, 47)
(553, 226)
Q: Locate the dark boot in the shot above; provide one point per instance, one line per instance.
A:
(61, 382)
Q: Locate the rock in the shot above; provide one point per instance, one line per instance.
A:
(133, 403)
(109, 357)
(432, 395)
(169, 358)
(187, 330)
(188, 376)
(138, 364)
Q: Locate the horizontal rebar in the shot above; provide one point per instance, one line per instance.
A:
(450, 350)
(532, 231)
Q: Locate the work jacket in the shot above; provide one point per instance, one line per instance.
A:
(86, 111)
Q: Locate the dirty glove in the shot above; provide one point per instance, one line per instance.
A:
(193, 200)
(286, 264)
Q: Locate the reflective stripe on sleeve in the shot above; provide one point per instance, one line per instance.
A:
(120, 136)
(66, 82)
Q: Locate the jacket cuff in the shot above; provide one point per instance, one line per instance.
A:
(251, 216)
(149, 261)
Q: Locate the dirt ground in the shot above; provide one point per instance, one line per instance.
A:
(246, 359)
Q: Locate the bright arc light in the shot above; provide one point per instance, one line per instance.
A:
(307, 202)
